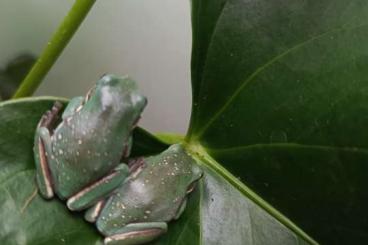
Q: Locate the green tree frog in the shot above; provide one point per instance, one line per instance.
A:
(154, 193)
(79, 159)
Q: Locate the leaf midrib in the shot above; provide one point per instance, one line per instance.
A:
(262, 68)
(288, 145)
(200, 153)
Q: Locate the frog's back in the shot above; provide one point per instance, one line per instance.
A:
(84, 153)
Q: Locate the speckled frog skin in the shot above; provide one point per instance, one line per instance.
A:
(155, 193)
(80, 158)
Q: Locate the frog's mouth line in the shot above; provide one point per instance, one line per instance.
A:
(87, 97)
(89, 94)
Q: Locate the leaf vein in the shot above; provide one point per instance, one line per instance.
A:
(258, 71)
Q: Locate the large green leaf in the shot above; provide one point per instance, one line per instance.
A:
(280, 98)
(217, 213)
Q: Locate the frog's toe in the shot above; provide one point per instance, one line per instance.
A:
(138, 233)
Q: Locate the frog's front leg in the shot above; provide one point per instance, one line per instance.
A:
(98, 190)
(73, 105)
(43, 153)
(137, 233)
(181, 208)
(92, 213)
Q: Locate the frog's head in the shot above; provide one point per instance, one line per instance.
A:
(196, 171)
(114, 96)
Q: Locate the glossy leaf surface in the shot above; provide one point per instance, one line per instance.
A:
(213, 209)
(280, 99)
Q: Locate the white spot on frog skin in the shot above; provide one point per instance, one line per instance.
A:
(106, 98)
(79, 108)
(145, 217)
(77, 153)
(80, 142)
(60, 136)
(147, 211)
(123, 216)
(61, 152)
(110, 215)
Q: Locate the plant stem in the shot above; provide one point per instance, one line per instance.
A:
(54, 47)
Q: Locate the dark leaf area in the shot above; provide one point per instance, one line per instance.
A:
(13, 74)
(280, 94)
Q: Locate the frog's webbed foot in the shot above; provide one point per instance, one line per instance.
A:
(98, 190)
(42, 150)
(137, 233)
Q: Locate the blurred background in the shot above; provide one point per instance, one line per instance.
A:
(148, 40)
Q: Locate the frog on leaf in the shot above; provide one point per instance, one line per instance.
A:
(78, 157)
(155, 192)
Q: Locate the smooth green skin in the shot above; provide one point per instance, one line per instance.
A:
(89, 142)
(155, 193)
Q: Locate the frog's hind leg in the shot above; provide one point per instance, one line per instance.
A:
(98, 190)
(92, 213)
(42, 151)
(137, 233)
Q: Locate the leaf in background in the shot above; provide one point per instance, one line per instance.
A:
(216, 212)
(14, 73)
(280, 98)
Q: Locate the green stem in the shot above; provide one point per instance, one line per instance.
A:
(54, 47)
